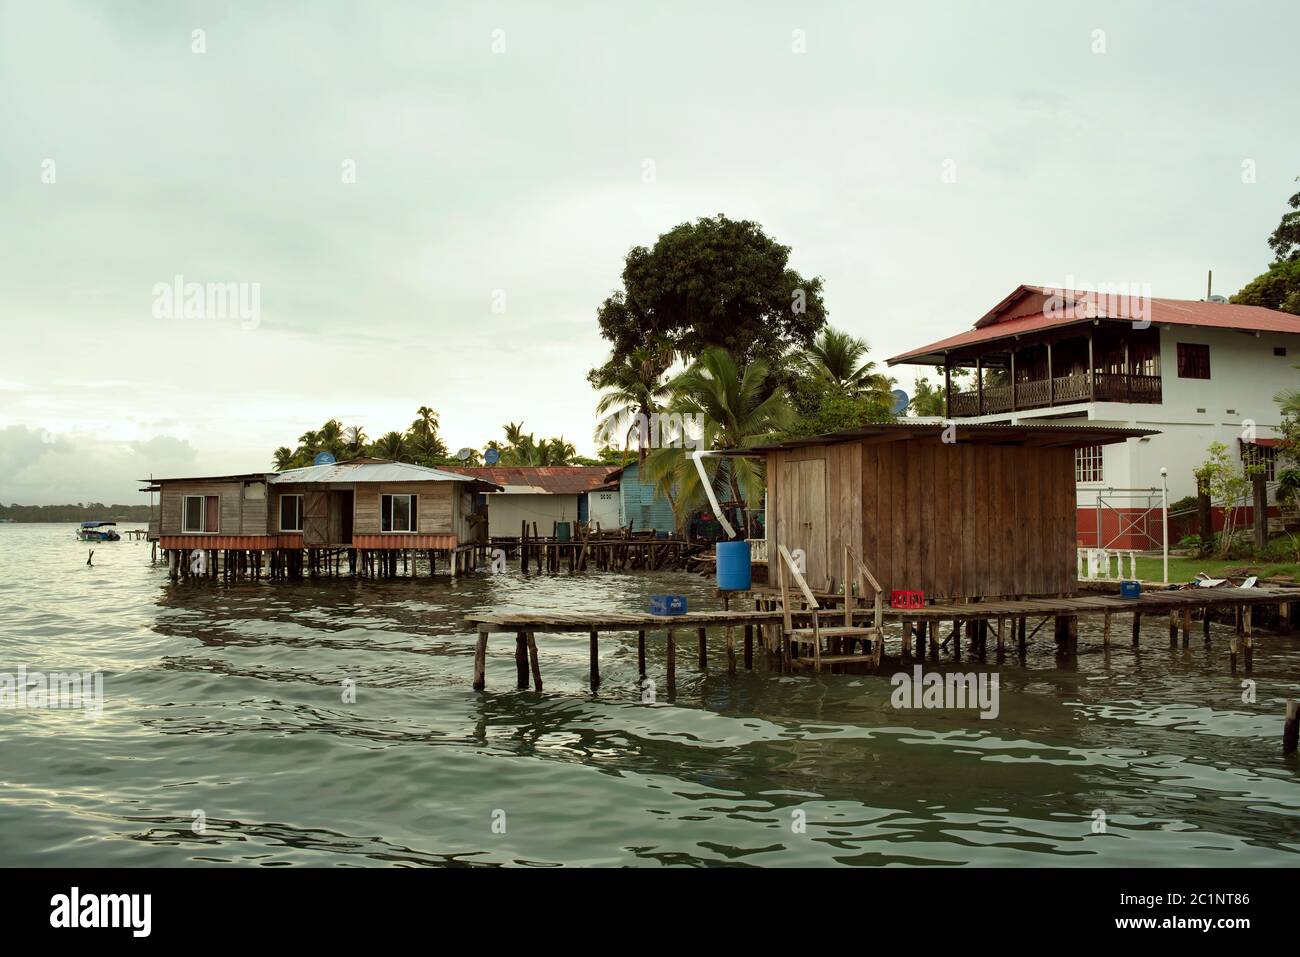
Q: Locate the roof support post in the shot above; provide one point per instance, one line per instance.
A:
(1051, 382)
(1128, 373)
(947, 385)
(1092, 367)
(979, 384)
(1013, 376)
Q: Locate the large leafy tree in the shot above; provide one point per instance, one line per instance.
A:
(1279, 287)
(1285, 241)
(716, 282)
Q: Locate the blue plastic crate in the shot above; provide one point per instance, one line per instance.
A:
(667, 604)
(1130, 589)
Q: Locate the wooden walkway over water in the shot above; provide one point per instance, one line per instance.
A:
(917, 630)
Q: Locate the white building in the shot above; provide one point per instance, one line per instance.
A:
(1197, 371)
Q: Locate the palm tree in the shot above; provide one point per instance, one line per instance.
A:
(837, 358)
(283, 458)
(738, 408)
(392, 446)
(354, 440)
(426, 423)
(634, 391)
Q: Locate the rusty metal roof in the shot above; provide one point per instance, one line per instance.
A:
(983, 433)
(543, 479)
(1003, 322)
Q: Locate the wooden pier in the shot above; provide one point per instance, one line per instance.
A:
(621, 549)
(917, 631)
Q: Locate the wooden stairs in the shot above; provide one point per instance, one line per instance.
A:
(830, 645)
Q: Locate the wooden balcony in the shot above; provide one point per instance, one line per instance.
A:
(1061, 390)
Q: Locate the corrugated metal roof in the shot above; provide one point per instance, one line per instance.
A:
(543, 479)
(356, 470)
(1175, 312)
(369, 470)
(988, 433)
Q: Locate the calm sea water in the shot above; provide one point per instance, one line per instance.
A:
(227, 700)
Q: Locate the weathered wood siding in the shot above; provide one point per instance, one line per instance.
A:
(962, 520)
(241, 511)
(433, 506)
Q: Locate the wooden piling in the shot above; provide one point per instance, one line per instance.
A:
(1247, 618)
(1291, 727)
(480, 661)
(1137, 627)
(704, 649)
(640, 653)
(521, 661)
(670, 649)
(749, 647)
(536, 665)
(595, 662)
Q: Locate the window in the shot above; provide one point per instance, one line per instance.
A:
(1193, 361)
(1279, 351)
(1087, 464)
(200, 513)
(397, 513)
(291, 513)
(1260, 455)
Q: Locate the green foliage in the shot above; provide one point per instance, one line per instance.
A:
(81, 512)
(1285, 241)
(634, 389)
(716, 282)
(837, 411)
(1278, 288)
(1228, 484)
(420, 444)
(838, 361)
(739, 409)
(523, 449)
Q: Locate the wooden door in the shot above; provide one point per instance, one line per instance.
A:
(315, 518)
(801, 516)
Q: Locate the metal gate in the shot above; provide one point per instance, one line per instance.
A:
(1138, 513)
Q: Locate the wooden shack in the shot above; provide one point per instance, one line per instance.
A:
(954, 511)
(365, 504)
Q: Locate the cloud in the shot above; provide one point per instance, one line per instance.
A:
(37, 467)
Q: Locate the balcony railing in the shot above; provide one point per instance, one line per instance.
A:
(1062, 390)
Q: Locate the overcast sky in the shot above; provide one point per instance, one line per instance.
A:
(516, 176)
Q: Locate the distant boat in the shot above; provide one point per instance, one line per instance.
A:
(98, 532)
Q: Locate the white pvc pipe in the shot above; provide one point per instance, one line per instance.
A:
(708, 490)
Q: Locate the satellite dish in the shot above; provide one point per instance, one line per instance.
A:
(464, 454)
(491, 456)
(900, 401)
(323, 458)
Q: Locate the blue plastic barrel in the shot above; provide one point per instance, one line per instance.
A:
(733, 566)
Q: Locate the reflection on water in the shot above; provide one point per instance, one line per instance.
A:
(227, 700)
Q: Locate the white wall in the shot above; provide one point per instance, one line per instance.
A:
(1244, 378)
(602, 509)
(506, 512)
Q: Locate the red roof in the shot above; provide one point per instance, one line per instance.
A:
(1034, 308)
(553, 479)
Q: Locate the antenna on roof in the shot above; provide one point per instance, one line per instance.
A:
(1209, 286)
